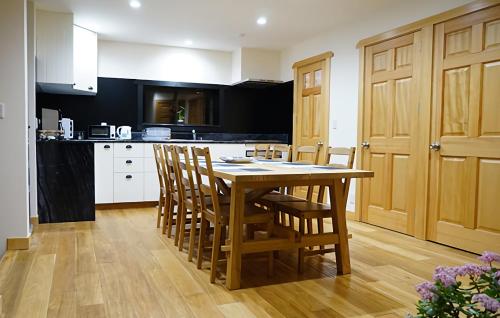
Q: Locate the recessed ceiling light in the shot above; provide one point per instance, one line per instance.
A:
(188, 42)
(261, 21)
(135, 4)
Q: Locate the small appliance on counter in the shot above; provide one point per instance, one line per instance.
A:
(102, 131)
(124, 132)
(66, 125)
(156, 133)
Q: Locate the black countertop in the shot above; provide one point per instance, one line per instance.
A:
(174, 141)
(206, 138)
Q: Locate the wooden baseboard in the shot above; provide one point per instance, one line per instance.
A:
(18, 243)
(1, 307)
(126, 205)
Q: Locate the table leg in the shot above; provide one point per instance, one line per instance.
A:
(233, 274)
(338, 204)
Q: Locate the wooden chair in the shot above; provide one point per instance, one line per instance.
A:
(188, 202)
(262, 151)
(163, 200)
(285, 194)
(171, 185)
(281, 152)
(307, 211)
(213, 212)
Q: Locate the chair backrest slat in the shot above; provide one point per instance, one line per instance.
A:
(168, 171)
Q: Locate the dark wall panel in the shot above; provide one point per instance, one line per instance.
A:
(242, 110)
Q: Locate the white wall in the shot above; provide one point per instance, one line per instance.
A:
(236, 66)
(14, 215)
(164, 63)
(345, 63)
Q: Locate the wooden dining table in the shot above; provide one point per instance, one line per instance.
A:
(252, 180)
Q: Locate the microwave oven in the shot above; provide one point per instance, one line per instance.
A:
(102, 132)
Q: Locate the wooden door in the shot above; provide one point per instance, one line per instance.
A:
(389, 132)
(311, 106)
(464, 192)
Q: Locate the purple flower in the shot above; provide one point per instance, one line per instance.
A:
(445, 275)
(472, 270)
(489, 303)
(489, 257)
(425, 290)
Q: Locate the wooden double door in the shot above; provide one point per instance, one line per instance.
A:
(459, 139)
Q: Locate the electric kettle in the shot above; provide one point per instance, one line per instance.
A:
(124, 132)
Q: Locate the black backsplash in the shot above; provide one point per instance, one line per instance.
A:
(242, 110)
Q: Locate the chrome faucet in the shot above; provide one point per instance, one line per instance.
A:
(194, 134)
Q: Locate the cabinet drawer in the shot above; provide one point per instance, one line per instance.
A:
(102, 149)
(128, 187)
(150, 165)
(129, 150)
(130, 164)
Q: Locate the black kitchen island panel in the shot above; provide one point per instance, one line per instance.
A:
(65, 173)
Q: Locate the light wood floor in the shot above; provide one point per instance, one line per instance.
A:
(121, 266)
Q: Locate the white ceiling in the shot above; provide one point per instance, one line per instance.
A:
(215, 24)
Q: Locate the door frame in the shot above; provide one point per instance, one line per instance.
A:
(426, 26)
(323, 57)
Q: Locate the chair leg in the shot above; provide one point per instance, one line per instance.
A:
(320, 231)
(201, 241)
(161, 202)
(181, 227)
(300, 265)
(167, 214)
(171, 208)
(192, 234)
(310, 230)
(215, 251)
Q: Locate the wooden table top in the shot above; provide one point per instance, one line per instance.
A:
(275, 171)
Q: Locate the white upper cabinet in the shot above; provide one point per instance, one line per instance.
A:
(66, 55)
(85, 59)
(54, 47)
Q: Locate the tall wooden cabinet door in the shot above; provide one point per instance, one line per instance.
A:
(389, 125)
(464, 194)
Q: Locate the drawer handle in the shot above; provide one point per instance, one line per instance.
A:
(128, 161)
(107, 146)
(129, 147)
(128, 176)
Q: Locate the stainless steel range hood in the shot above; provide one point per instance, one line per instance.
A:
(256, 83)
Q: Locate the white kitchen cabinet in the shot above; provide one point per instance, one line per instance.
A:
(66, 55)
(103, 168)
(54, 47)
(126, 172)
(128, 187)
(84, 59)
(151, 186)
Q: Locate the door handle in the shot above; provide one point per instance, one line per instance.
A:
(365, 144)
(128, 146)
(128, 176)
(435, 146)
(128, 161)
